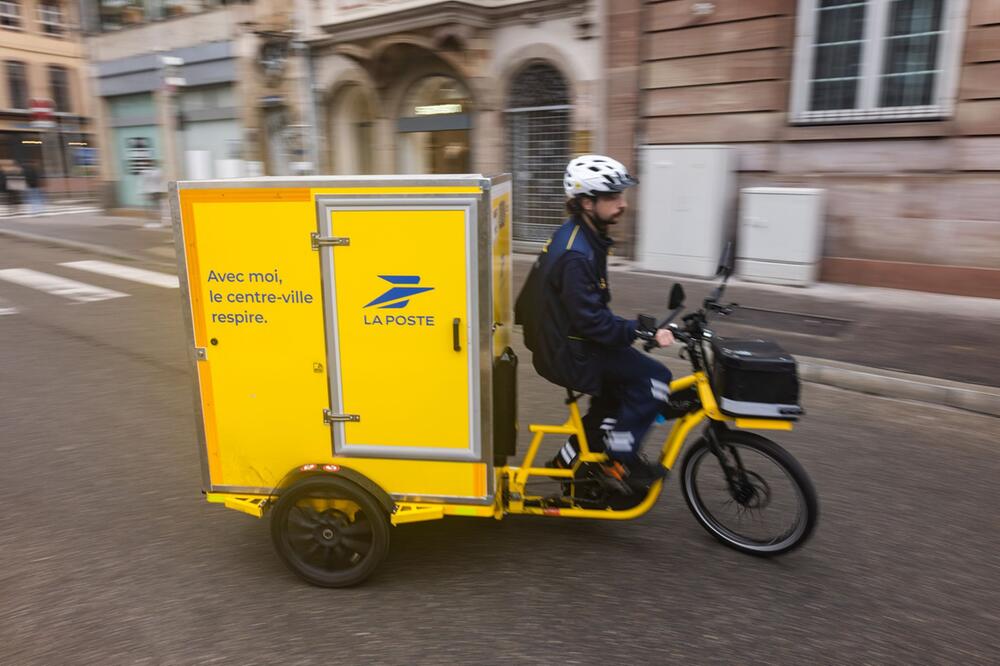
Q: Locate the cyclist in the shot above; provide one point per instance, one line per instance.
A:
(577, 342)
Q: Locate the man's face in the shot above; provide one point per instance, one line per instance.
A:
(607, 208)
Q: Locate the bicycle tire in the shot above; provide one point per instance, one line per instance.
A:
(808, 501)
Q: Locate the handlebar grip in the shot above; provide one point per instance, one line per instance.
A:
(650, 345)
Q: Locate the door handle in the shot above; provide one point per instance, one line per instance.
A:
(455, 339)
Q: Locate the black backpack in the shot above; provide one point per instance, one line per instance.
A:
(528, 306)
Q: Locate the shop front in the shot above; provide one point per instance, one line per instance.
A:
(435, 128)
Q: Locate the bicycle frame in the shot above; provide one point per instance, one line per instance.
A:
(517, 477)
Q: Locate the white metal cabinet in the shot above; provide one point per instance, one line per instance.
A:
(780, 234)
(684, 207)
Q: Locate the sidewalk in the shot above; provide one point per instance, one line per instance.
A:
(933, 348)
(929, 347)
(120, 237)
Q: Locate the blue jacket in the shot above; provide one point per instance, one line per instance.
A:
(577, 326)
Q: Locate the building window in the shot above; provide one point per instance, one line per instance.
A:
(351, 126)
(859, 60)
(50, 17)
(539, 136)
(59, 85)
(17, 84)
(10, 14)
(435, 127)
(118, 14)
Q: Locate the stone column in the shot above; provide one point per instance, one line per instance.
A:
(487, 142)
(384, 145)
(623, 32)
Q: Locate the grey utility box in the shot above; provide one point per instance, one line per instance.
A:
(780, 235)
(685, 207)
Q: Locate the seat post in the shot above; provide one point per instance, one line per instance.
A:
(576, 421)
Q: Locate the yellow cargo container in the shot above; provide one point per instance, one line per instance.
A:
(350, 325)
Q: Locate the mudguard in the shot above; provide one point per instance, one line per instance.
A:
(346, 473)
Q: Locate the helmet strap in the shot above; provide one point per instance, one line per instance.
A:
(595, 223)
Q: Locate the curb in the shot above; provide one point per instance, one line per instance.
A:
(891, 384)
(80, 245)
(886, 383)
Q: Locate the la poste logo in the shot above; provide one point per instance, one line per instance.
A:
(397, 297)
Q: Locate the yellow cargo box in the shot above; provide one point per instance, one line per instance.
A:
(350, 321)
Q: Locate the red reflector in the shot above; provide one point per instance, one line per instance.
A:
(307, 468)
(550, 512)
(331, 468)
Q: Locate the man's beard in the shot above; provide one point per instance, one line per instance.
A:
(603, 223)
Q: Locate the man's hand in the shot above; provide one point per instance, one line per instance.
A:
(664, 338)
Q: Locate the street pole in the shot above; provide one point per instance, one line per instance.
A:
(170, 80)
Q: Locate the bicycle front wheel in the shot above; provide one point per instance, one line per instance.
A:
(765, 505)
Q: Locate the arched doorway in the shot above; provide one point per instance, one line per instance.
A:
(538, 148)
(351, 130)
(434, 127)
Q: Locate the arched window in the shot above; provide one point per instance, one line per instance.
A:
(434, 126)
(351, 132)
(538, 130)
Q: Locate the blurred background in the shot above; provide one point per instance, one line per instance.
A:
(851, 147)
(890, 107)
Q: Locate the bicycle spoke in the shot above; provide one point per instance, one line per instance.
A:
(748, 508)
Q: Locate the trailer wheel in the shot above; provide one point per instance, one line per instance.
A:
(329, 531)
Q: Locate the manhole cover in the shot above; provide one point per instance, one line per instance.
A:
(789, 322)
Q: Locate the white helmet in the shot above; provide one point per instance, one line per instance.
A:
(596, 174)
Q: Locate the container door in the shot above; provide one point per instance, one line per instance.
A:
(402, 347)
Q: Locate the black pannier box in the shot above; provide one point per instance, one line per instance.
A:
(755, 378)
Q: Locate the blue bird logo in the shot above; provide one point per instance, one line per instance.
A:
(398, 296)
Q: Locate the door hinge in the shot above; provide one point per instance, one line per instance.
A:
(327, 241)
(329, 417)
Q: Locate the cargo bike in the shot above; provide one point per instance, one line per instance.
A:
(352, 345)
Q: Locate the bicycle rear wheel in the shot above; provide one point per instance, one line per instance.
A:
(767, 507)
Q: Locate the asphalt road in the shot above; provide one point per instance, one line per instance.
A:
(108, 553)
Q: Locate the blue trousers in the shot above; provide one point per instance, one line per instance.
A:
(634, 388)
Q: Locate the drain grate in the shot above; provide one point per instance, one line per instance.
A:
(790, 322)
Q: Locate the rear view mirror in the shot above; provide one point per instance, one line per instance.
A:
(676, 296)
(726, 261)
(647, 323)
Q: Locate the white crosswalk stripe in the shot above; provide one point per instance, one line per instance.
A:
(48, 212)
(58, 286)
(126, 273)
(6, 308)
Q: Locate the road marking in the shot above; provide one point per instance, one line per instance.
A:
(50, 212)
(58, 286)
(6, 308)
(126, 273)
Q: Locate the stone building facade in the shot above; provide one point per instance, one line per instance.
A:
(418, 86)
(891, 106)
(42, 59)
(208, 89)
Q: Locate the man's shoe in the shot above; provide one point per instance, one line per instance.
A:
(615, 477)
(642, 474)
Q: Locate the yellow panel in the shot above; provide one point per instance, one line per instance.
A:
(422, 478)
(399, 285)
(398, 190)
(264, 382)
(502, 294)
(763, 424)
